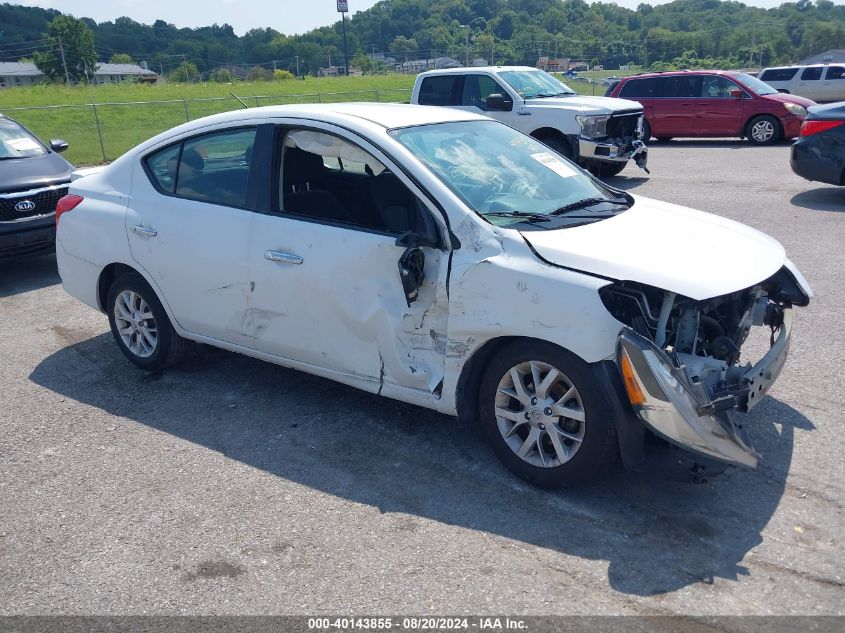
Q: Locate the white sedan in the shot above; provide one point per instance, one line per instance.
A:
(443, 259)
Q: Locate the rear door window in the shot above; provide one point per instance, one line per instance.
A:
(162, 167)
(679, 87)
(438, 91)
(639, 88)
(812, 74)
(215, 167)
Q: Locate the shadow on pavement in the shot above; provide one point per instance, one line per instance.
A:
(688, 143)
(821, 199)
(657, 536)
(31, 273)
(625, 183)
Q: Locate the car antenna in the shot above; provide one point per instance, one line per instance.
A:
(239, 99)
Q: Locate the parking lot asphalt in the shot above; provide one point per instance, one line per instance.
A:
(230, 486)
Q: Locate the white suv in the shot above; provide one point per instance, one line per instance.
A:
(818, 82)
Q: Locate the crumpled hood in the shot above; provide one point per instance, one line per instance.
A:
(586, 104)
(691, 253)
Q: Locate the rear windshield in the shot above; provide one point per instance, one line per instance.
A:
(16, 142)
(754, 84)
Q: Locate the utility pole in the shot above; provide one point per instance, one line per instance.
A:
(64, 63)
(345, 47)
(185, 67)
(297, 65)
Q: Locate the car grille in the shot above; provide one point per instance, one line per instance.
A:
(44, 200)
(624, 125)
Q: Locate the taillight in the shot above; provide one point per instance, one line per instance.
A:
(814, 127)
(67, 203)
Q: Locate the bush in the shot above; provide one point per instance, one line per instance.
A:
(282, 75)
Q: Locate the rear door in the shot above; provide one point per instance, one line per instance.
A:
(673, 113)
(717, 113)
(810, 83)
(833, 84)
(188, 226)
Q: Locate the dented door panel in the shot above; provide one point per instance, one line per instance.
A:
(343, 307)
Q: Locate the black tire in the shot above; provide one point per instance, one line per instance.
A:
(606, 170)
(646, 131)
(598, 448)
(756, 129)
(560, 145)
(169, 347)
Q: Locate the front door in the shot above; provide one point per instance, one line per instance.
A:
(717, 112)
(328, 290)
(188, 227)
(476, 89)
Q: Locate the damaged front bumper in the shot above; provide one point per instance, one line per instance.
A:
(681, 409)
(607, 150)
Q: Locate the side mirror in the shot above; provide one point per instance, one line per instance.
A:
(58, 145)
(498, 103)
(412, 239)
(736, 93)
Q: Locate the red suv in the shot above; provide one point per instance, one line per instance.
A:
(713, 103)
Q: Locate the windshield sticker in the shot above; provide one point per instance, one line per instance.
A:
(22, 144)
(557, 165)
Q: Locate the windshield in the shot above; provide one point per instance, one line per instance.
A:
(752, 83)
(503, 174)
(535, 83)
(16, 142)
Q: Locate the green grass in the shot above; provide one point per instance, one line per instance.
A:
(124, 126)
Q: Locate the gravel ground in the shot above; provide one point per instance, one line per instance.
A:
(231, 486)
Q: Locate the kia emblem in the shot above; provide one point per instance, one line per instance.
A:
(24, 206)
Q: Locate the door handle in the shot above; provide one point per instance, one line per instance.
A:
(144, 230)
(284, 258)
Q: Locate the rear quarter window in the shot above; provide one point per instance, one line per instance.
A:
(835, 72)
(162, 167)
(438, 91)
(638, 88)
(778, 74)
(812, 74)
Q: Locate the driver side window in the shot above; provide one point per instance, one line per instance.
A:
(477, 88)
(325, 177)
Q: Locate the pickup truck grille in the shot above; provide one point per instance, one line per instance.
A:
(623, 125)
(43, 202)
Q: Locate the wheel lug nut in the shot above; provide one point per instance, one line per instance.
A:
(527, 415)
(547, 411)
(533, 400)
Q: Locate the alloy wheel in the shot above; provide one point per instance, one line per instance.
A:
(135, 323)
(762, 131)
(540, 414)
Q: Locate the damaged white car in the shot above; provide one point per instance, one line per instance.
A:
(443, 259)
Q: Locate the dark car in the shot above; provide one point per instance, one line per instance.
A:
(32, 179)
(819, 152)
(713, 103)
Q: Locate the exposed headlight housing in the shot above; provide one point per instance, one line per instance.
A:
(593, 125)
(794, 108)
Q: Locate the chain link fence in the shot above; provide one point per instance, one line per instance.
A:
(100, 132)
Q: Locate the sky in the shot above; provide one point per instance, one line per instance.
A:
(286, 16)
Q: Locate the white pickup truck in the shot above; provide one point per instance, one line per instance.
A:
(600, 133)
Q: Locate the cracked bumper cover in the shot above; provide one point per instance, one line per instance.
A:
(679, 409)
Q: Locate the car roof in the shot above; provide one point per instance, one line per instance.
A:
(464, 70)
(681, 73)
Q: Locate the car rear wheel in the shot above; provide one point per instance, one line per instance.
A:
(763, 130)
(543, 415)
(140, 325)
(646, 131)
(664, 139)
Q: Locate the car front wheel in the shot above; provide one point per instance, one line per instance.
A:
(542, 413)
(763, 130)
(140, 325)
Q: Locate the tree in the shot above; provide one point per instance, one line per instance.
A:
(221, 76)
(259, 73)
(71, 48)
(121, 58)
(282, 75)
(184, 73)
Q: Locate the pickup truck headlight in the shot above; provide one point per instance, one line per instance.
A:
(593, 125)
(794, 108)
